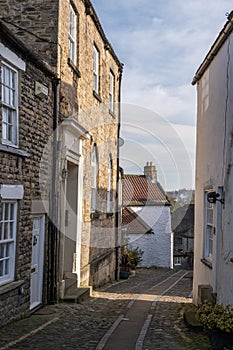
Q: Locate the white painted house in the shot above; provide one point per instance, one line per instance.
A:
(213, 255)
(147, 218)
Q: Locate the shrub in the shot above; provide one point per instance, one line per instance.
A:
(216, 316)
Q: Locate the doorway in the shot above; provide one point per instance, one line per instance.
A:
(37, 262)
(71, 218)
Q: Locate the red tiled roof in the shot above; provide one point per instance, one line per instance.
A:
(133, 222)
(139, 190)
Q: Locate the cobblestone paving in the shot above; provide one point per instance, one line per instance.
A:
(81, 326)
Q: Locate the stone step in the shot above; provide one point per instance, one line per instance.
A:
(70, 284)
(77, 295)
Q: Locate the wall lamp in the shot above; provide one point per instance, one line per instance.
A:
(213, 197)
(64, 173)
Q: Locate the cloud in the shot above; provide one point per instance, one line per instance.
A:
(161, 43)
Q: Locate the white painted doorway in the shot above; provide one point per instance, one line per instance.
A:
(37, 262)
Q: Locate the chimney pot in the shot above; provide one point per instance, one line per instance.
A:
(150, 171)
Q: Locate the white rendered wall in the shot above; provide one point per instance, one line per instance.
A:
(213, 170)
(157, 247)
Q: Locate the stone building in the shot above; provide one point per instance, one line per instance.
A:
(26, 119)
(146, 218)
(69, 38)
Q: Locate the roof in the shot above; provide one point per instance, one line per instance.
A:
(18, 46)
(134, 223)
(139, 190)
(182, 220)
(222, 37)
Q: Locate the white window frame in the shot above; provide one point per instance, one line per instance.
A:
(9, 105)
(96, 70)
(109, 189)
(177, 260)
(8, 230)
(111, 91)
(94, 171)
(208, 228)
(72, 34)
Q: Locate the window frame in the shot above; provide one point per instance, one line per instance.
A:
(94, 173)
(209, 228)
(10, 241)
(12, 108)
(72, 35)
(96, 67)
(111, 91)
(177, 261)
(109, 188)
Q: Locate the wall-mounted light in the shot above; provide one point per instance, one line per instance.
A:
(213, 197)
(64, 173)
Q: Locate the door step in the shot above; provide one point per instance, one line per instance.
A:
(77, 295)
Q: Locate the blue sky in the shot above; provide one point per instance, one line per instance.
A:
(161, 43)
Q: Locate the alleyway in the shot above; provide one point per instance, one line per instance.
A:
(144, 312)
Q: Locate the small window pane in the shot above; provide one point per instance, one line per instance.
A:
(7, 270)
(1, 268)
(2, 251)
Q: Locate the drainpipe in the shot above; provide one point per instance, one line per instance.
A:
(117, 246)
(53, 223)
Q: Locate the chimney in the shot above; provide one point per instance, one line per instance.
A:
(150, 171)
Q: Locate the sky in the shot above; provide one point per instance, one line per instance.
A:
(161, 43)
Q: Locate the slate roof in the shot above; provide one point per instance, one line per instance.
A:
(182, 220)
(133, 223)
(138, 190)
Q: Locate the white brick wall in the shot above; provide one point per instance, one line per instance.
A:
(157, 247)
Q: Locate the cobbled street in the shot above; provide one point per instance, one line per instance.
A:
(144, 312)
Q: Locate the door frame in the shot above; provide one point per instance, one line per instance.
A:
(41, 261)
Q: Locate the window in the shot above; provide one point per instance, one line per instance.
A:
(93, 179)
(109, 190)
(9, 80)
(177, 261)
(111, 92)
(209, 229)
(96, 70)
(7, 241)
(72, 35)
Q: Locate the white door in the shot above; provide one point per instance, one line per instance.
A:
(37, 261)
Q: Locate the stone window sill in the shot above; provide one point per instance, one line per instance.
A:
(97, 96)
(207, 263)
(75, 69)
(13, 150)
(6, 288)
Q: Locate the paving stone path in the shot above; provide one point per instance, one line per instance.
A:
(141, 313)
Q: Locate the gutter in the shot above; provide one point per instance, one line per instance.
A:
(117, 245)
(223, 35)
(53, 223)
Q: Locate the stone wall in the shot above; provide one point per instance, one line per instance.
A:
(50, 20)
(92, 112)
(35, 120)
(38, 17)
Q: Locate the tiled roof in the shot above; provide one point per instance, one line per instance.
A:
(133, 223)
(139, 190)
